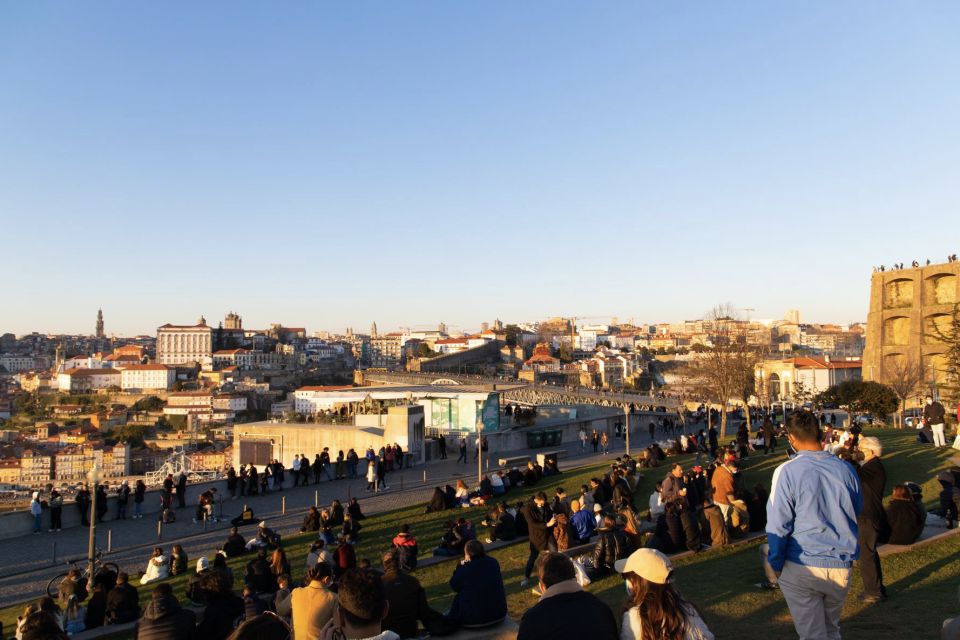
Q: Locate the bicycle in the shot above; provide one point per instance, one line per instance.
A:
(53, 587)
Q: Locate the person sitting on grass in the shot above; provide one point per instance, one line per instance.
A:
(41, 625)
(222, 606)
(654, 607)
(311, 522)
(582, 523)
(158, 567)
(165, 619)
(481, 600)
(265, 537)
(260, 576)
(502, 525)
(345, 556)
(235, 544)
(452, 541)
(178, 561)
(408, 602)
(195, 593)
(565, 610)
(318, 553)
(406, 546)
(72, 585)
(361, 607)
(313, 604)
(123, 601)
(904, 517)
(612, 545)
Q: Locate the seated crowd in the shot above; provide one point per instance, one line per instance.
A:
(341, 596)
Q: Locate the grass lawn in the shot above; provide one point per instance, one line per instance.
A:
(719, 582)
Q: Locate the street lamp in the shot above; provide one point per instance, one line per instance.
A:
(94, 478)
(479, 449)
(626, 422)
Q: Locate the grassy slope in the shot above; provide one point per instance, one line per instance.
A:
(719, 582)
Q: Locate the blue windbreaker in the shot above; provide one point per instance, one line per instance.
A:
(815, 499)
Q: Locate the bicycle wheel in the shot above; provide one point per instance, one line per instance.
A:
(109, 566)
(53, 587)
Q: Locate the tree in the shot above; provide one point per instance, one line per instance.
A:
(950, 337)
(512, 332)
(905, 377)
(565, 353)
(726, 369)
(424, 351)
(858, 396)
(178, 386)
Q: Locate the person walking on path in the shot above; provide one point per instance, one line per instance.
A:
(933, 417)
(605, 443)
(872, 525)
(463, 451)
(442, 443)
(813, 562)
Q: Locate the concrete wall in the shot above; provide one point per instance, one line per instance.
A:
(20, 523)
(401, 425)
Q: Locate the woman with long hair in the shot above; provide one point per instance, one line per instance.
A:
(654, 609)
(279, 563)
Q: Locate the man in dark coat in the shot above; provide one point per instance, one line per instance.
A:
(872, 527)
(408, 600)
(123, 602)
(565, 610)
(539, 519)
(165, 619)
(182, 491)
(481, 600)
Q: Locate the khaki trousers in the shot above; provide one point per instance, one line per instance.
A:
(815, 597)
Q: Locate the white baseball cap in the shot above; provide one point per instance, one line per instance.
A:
(649, 564)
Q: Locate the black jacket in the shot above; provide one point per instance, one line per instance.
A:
(537, 531)
(235, 545)
(905, 520)
(123, 604)
(873, 481)
(480, 598)
(505, 528)
(568, 615)
(613, 545)
(408, 604)
(260, 576)
(165, 619)
(222, 611)
(933, 413)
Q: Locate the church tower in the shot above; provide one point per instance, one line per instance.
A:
(373, 330)
(100, 333)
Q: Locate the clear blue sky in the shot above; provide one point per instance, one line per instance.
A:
(328, 164)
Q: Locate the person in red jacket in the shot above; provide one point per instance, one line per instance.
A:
(406, 546)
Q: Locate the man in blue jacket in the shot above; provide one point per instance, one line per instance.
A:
(812, 512)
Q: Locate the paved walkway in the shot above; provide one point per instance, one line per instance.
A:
(29, 561)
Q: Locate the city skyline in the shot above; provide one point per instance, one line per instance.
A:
(334, 165)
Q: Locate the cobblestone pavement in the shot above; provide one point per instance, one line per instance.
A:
(28, 561)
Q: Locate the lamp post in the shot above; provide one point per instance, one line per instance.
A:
(479, 449)
(626, 424)
(94, 478)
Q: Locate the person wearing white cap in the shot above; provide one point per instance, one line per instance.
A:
(654, 603)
